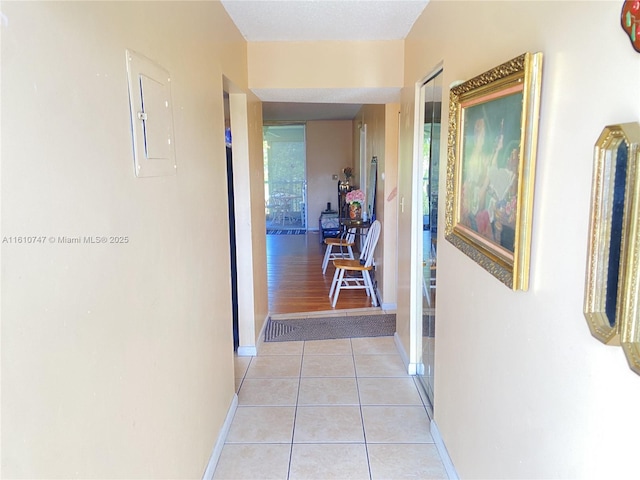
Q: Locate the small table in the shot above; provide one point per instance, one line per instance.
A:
(349, 223)
(361, 227)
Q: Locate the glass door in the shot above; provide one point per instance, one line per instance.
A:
(431, 109)
(285, 186)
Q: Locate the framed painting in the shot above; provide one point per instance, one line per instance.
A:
(493, 129)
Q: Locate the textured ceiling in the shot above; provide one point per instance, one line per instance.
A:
(309, 20)
(304, 20)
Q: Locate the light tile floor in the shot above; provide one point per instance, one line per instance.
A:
(329, 409)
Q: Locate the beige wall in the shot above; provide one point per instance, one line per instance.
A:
(382, 142)
(325, 64)
(522, 389)
(387, 202)
(329, 151)
(117, 360)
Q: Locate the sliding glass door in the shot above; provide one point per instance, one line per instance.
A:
(285, 176)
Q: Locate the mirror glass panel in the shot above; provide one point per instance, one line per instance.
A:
(430, 113)
(615, 236)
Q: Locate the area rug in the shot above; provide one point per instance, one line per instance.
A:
(325, 328)
(286, 231)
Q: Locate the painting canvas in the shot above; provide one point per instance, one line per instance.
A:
(492, 137)
(489, 169)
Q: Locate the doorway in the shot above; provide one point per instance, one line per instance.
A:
(430, 114)
(232, 222)
(285, 173)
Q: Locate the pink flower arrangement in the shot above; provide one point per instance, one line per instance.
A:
(355, 196)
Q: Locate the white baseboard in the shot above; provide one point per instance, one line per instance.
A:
(442, 450)
(247, 351)
(222, 437)
(252, 350)
(386, 306)
(412, 368)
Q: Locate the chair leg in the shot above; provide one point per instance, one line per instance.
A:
(338, 284)
(370, 291)
(366, 282)
(333, 283)
(325, 262)
(327, 258)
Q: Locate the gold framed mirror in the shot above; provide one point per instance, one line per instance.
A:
(630, 321)
(612, 270)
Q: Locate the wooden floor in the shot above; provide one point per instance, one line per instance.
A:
(296, 283)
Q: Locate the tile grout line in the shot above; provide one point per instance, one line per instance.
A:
(244, 375)
(295, 411)
(421, 396)
(364, 432)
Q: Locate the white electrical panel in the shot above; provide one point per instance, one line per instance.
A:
(151, 117)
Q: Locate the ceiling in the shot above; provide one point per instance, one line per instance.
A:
(318, 20)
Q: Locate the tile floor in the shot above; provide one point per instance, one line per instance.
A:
(329, 409)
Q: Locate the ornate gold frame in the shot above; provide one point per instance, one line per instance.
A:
(603, 271)
(606, 267)
(521, 76)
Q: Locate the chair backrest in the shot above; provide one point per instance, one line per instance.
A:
(350, 235)
(370, 243)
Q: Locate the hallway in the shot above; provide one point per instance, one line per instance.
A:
(328, 409)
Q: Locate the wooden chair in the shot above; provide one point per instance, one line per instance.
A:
(358, 270)
(343, 245)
